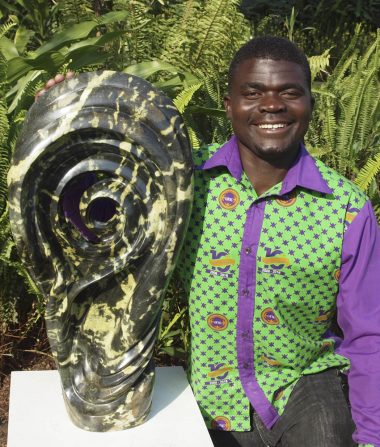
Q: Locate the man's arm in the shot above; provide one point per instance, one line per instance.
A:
(359, 318)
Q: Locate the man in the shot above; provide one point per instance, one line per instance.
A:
(277, 245)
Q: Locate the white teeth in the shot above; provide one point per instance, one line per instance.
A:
(271, 126)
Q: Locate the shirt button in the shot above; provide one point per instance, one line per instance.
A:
(245, 365)
(245, 292)
(247, 251)
(245, 334)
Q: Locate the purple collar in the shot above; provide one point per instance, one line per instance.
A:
(303, 173)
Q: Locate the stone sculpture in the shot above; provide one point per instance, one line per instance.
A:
(100, 194)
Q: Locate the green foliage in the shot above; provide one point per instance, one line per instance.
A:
(173, 334)
(345, 128)
(135, 44)
(319, 64)
(35, 17)
(71, 12)
(368, 173)
(205, 35)
(183, 98)
(4, 130)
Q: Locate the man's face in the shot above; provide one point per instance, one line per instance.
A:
(270, 107)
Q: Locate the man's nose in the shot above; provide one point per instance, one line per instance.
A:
(272, 102)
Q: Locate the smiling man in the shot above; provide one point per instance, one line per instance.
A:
(279, 245)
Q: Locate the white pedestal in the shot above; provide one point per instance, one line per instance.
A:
(38, 418)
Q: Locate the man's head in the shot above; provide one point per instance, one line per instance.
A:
(270, 47)
(269, 101)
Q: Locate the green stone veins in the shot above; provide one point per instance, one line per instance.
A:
(102, 140)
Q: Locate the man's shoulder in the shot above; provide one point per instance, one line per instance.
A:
(203, 153)
(342, 188)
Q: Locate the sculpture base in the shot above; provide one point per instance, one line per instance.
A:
(38, 418)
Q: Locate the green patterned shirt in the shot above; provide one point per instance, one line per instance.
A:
(262, 275)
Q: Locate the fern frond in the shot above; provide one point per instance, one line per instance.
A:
(194, 141)
(136, 44)
(353, 119)
(318, 64)
(371, 101)
(348, 57)
(211, 22)
(368, 172)
(206, 36)
(74, 11)
(4, 154)
(15, 128)
(3, 70)
(183, 98)
(213, 89)
(27, 87)
(6, 27)
(368, 57)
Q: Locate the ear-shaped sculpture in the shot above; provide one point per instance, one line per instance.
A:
(100, 195)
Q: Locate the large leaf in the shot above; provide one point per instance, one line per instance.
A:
(207, 111)
(95, 41)
(85, 56)
(49, 62)
(18, 90)
(8, 48)
(8, 6)
(80, 31)
(148, 68)
(81, 54)
(22, 37)
(88, 51)
(179, 81)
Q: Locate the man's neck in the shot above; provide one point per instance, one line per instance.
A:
(264, 174)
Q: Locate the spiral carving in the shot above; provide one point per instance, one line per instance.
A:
(100, 189)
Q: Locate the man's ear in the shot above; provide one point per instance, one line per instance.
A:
(227, 105)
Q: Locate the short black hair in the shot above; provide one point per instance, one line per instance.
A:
(270, 47)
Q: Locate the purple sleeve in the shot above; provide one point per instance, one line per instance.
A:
(358, 305)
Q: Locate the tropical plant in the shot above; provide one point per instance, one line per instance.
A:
(173, 335)
(345, 130)
(35, 19)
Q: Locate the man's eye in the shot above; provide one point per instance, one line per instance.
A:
(291, 93)
(252, 94)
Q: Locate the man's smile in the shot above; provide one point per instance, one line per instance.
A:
(272, 128)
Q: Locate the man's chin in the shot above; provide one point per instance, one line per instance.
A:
(279, 156)
(273, 152)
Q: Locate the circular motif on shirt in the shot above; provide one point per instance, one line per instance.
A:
(217, 322)
(221, 423)
(287, 200)
(269, 317)
(229, 199)
(337, 275)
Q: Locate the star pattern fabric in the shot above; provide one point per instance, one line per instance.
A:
(262, 276)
